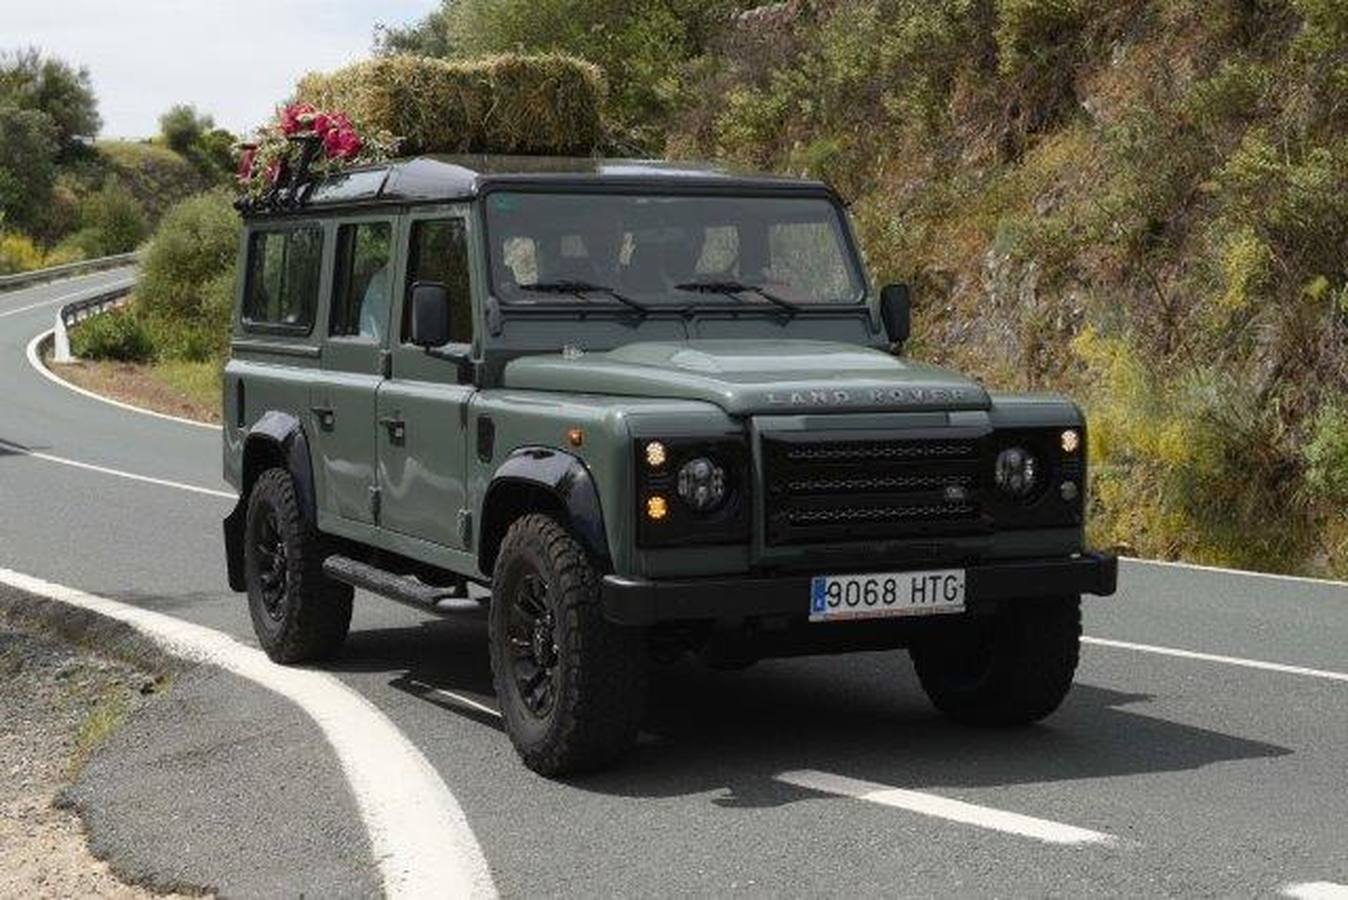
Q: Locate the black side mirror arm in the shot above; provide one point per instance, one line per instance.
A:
(464, 364)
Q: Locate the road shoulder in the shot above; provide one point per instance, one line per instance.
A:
(214, 783)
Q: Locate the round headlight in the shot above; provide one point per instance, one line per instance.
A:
(1017, 471)
(702, 484)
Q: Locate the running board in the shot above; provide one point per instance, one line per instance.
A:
(402, 588)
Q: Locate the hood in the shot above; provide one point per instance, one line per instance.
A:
(753, 377)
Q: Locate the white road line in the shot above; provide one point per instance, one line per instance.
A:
(35, 360)
(62, 299)
(1219, 570)
(1317, 890)
(117, 473)
(943, 808)
(421, 840)
(1215, 658)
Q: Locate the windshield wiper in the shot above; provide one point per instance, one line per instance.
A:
(735, 289)
(581, 288)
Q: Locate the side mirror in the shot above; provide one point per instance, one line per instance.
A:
(896, 311)
(429, 323)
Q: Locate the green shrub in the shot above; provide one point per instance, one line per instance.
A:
(18, 254)
(202, 336)
(196, 242)
(1030, 31)
(111, 222)
(117, 335)
(502, 104)
(1326, 454)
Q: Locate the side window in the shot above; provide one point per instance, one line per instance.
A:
(362, 283)
(438, 253)
(284, 269)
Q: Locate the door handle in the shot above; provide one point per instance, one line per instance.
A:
(326, 417)
(397, 428)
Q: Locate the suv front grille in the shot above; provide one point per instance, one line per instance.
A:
(847, 490)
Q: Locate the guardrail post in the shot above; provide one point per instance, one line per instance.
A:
(60, 340)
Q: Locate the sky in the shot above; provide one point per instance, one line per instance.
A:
(234, 60)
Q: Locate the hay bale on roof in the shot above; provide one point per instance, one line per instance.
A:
(549, 104)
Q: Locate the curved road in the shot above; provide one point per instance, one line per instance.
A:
(1162, 774)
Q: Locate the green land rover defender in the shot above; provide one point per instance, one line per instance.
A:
(651, 409)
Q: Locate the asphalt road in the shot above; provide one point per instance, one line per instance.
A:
(1195, 776)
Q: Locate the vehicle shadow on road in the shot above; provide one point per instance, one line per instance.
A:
(865, 716)
(860, 715)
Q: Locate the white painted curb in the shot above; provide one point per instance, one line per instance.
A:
(419, 836)
(35, 360)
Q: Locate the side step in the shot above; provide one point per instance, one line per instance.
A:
(402, 588)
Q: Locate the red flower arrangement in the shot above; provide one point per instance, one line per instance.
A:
(317, 141)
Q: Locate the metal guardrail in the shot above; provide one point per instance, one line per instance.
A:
(38, 276)
(84, 308)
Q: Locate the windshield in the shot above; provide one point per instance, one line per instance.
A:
(679, 250)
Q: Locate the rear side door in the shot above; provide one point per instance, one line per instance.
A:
(423, 405)
(342, 403)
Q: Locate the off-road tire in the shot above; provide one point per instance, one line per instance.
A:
(599, 677)
(1009, 669)
(304, 616)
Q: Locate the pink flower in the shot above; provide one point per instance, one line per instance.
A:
(296, 117)
(247, 161)
(342, 143)
(322, 123)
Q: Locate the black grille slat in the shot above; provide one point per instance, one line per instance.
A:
(855, 490)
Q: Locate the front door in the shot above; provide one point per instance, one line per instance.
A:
(422, 406)
(342, 403)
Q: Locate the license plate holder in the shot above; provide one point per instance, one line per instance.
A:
(883, 595)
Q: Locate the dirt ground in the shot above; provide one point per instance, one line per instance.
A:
(138, 385)
(56, 704)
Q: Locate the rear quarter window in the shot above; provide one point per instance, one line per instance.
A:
(284, 269)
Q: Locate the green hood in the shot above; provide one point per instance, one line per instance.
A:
(746, 377)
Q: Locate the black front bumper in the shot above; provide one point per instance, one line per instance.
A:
(638, 601)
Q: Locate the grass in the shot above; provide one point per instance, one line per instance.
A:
(108, 714)
(187, 389)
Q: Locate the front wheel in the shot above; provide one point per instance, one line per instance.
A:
(1008, 669)
(570, 683)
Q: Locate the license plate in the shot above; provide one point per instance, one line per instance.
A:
(837, 597)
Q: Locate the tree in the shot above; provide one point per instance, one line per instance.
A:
(29, 142)
(30, 81)
(429, 37)
(182, 127)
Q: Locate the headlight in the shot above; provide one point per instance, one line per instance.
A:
(1017, 471)
(702, 485)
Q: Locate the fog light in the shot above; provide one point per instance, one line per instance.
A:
(657, 508)
(1069, 491)
(1071, 440)
(656, 454)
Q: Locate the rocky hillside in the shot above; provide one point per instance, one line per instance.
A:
(1144, 202)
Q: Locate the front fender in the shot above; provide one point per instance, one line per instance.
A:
(555, 474)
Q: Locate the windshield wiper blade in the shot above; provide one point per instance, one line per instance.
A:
(734, 289)
(581, 288)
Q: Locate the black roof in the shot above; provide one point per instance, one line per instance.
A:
(425, 179)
